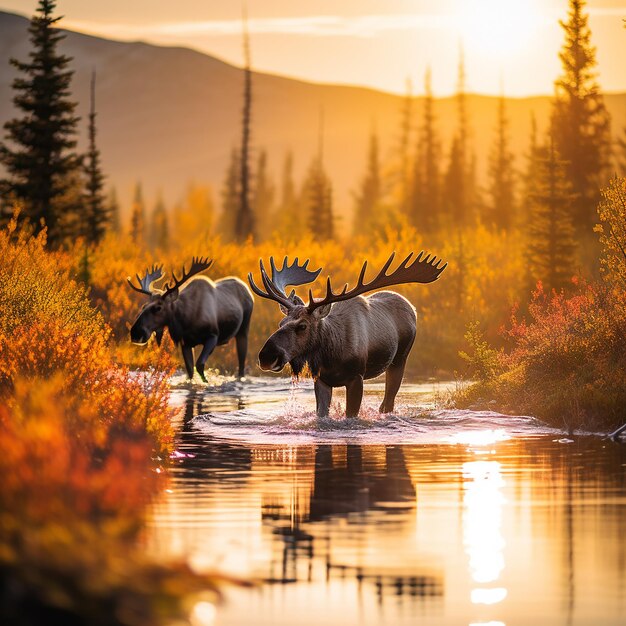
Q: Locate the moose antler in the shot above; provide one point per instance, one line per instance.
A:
(288, 275)
(198, 264)
(421, 270)
(156, 273)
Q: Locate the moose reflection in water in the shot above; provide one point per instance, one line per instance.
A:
(202, 312)
(343, 337)
(457, 533)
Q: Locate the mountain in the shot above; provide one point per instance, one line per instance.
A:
(168, 115)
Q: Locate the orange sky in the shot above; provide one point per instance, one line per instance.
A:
(378, 43)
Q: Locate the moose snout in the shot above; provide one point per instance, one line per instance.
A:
(272, 358)
(139, 335)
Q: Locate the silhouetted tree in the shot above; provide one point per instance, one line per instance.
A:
(289, 218)
(551, 242)
(404, 151)
(501, 209)
(38, 156)
(426, 179)
(138, 218)
(263, 198)
(319, 193)
(115, 219)
(159, 227)
(97, 213)
(460, 189)
(244, 222)
(369, 196)
(580, 121)
(230, 196)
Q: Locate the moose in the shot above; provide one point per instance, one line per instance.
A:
(344, 337)
(202, 312)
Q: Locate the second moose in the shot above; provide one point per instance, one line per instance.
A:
(343, 337)
(196, 312)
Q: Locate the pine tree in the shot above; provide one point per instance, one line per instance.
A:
(404, 173)
(159, 227)
(460, 191)
(98, 214)
(501, 212)
(263, 197)
(230, 195)
(426, 179)
(138, 218)
(289, 218)
(244, 221)
(115, 219)
(319, 193)
(580, 120)
(551, 244)
(368, 208)
(38, 155)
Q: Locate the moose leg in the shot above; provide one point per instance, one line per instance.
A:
(323, 397)
(354, 395)
(242, 349)
(208, 347)
(188, 358)
(393, 379)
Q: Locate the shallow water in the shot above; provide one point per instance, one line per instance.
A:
(426, 516)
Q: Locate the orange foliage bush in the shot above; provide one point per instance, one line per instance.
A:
(565, 363)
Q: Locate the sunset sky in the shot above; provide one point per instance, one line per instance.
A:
(377, 43)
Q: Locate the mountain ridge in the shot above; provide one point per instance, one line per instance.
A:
(170, 115)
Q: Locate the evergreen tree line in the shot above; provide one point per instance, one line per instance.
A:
(551, 198)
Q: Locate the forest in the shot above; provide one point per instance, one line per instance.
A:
(529, 316)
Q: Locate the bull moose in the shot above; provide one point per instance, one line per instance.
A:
(344, 337)
(202, 312)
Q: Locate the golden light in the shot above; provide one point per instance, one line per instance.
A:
(482, 535)
(499, 27)
(479, 438)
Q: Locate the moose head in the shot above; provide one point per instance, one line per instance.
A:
(156, 313)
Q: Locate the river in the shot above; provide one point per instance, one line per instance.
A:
(429, 516)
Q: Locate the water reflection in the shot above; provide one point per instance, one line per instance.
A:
(346, 534)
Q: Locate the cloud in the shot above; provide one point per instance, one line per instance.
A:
(314, 26)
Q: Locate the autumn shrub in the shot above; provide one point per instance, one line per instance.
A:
(565, 362)
(82, 445)
(71, 507)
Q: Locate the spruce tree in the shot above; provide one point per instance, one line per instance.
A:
(115, 218)
(460, 189)
(580, 120)
(138, 218)
(230, 195)
(551, 243)
(291, 221)
(426, 179)
(318, 191)
(39, 153)
(159, 227)
(244, 220)
(369, 196)
(404, 165)
(263, 197)
(501, 210)
(97, 214)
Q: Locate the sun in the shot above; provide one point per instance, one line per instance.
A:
(499, 28)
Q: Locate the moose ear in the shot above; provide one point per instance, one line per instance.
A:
(323, 311)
